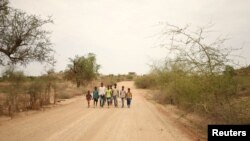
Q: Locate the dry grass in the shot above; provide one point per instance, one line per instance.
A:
(66, 90)
(62, 89)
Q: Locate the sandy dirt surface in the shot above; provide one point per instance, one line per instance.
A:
(76, 122)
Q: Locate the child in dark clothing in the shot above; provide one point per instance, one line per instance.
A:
(95, 96)
(88, 98)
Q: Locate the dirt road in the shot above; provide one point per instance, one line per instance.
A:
(76, 122)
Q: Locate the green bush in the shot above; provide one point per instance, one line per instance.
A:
(146, 81)
(212, 96)
(129, 77)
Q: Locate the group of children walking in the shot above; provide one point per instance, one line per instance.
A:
(109, 95)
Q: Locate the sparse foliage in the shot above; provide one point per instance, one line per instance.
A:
(22, 38)
(192, 49)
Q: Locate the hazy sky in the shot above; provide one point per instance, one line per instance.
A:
(122, 33)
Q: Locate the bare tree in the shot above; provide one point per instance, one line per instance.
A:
(190, 47)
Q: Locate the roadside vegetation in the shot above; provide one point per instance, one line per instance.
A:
(111, 78)
(199, 77)
(20, 93)
(23, 39)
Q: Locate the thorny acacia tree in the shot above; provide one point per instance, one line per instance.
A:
(192, 48)
(22, 38)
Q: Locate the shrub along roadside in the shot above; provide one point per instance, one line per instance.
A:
(20, 93)
(197, 76)
(216, 98)
(146, 81)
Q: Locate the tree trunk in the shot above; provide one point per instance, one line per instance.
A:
(41, 99)
(78, 84)
(32, 101)
(10, 108)
(25, 102)
(55, 95)
(1, 109)
(16, 101)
